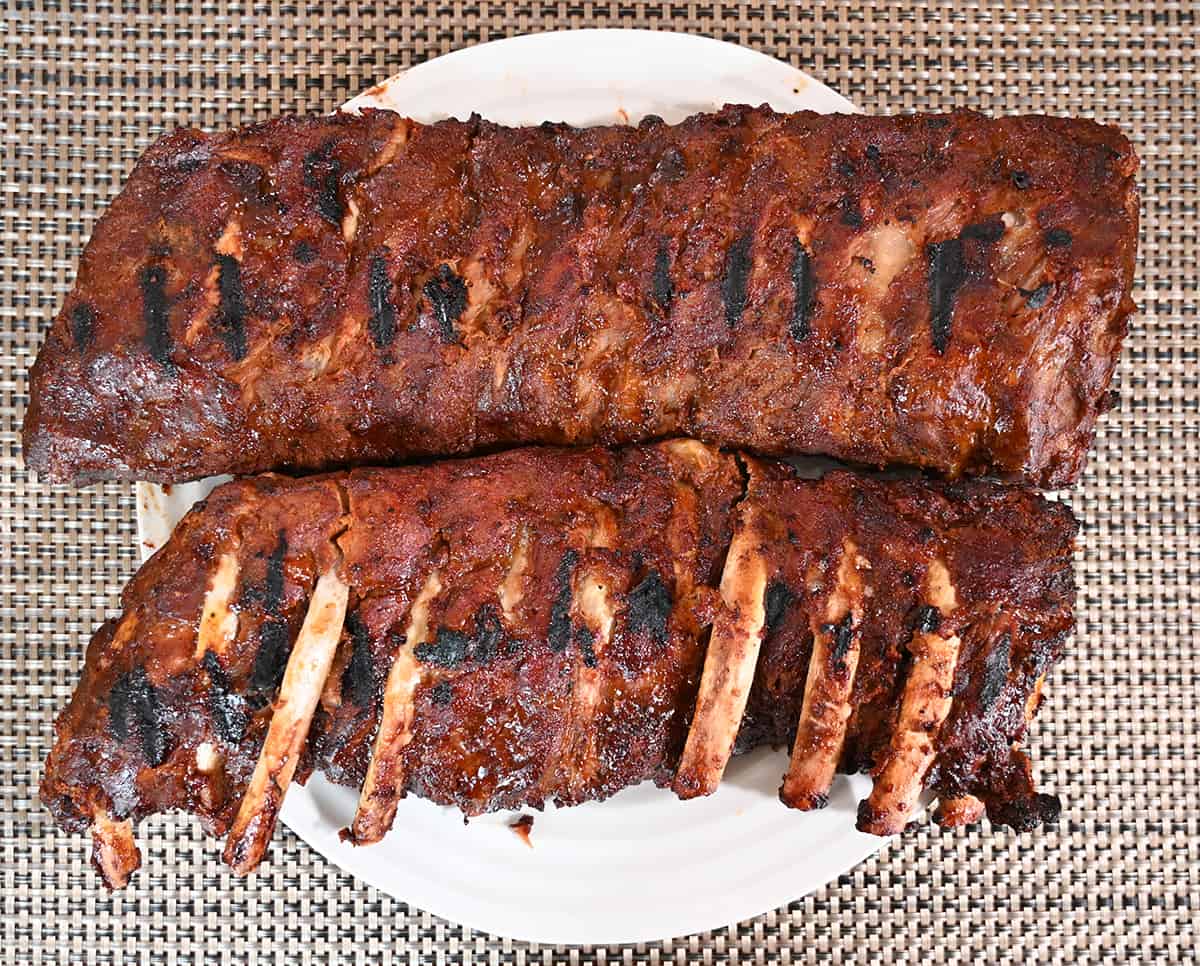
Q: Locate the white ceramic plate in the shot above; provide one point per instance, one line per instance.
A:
(643, 865)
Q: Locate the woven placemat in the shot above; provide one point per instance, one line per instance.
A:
(87, 85)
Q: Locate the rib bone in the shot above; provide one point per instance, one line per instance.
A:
(114, 853)
(219, 621)
(728, 668)
(923, 708)
(821, 732)
(303, 680)
(384, 784)
(592, 606)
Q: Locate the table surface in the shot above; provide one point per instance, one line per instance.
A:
(87, 86)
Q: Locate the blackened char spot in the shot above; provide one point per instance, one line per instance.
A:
(851, 212)
(231, 310)
(83, 325)
(661, 289)
(450, 648)
(1058, 238)
(447, 649)
(989, 231)
(321, 173)
(1036, 298)
(153, 280)
(447, 296)
(803, 293)
(673, 165)
(843, 636)
(778, 599)
(559, 634)
(133, 708)
(442, 693)
(946, 274)
(304, 253)
(995, 671)
(649, 607)
(358, 678)
(382, 323)
(488, 634)
(929, 619)
(736, 280)
(1026, 814)
(275, 646)
(1021, 180)
(228, 709)
(273, 595)
(587, 646)
(270, 661)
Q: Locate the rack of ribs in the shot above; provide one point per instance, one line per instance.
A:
(556, 625)
(310, 293)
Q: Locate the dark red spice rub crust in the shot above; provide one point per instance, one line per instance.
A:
(310, 292)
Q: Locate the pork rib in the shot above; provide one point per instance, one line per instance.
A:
(947, 291)
(534, 626)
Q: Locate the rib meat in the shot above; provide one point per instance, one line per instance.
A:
(946, 291)
(535, 626)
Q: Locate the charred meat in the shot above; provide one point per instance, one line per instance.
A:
(944, 291)
(556, 625)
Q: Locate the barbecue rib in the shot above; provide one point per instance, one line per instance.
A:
(532, 626)
(312, 292)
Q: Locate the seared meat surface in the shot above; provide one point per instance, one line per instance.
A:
(550, 625)
(944, 291)
(905, 629)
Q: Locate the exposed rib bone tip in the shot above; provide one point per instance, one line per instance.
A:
(728, 668)
(115, 855)
(384, 784)
(821, 731)
(303, 681)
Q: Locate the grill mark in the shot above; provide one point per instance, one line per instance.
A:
(775, 604)
(83, 325)
(153, 280)
(274, 647)
(988, 232)
(661, 289)
(382, 324)
(649, 607)
(228, 709)
(587, 646)
(736, 281)
(843, 636)
(270, 661)
(995, 671)
(231, 312)
(946, 275)
(559, 634)
(358, 677)
(450, 648)
(133, 708)
(447, 296)
(321, 173)
(803, 292)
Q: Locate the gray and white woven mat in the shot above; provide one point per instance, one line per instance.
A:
(89, 83)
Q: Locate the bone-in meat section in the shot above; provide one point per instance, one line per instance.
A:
(549, 625)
